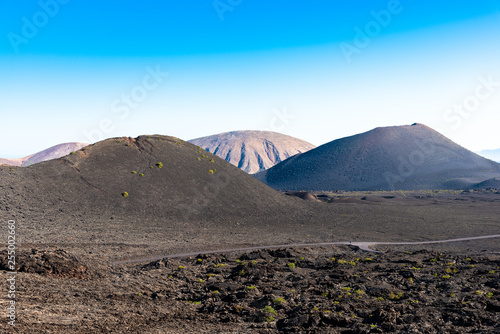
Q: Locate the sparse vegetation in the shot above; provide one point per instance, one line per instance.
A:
(279, 301)
(269, 309)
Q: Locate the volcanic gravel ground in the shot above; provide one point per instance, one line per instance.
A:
(309, 290)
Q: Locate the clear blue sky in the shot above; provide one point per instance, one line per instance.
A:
(80, 70)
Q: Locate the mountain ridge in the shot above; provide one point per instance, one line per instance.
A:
(252, 150)
(50, 153)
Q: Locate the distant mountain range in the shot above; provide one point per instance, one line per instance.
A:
(253, 151)
(388, 158)
(53, 152)
(491, 154)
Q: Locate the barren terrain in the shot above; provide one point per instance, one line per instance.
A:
(74, 222)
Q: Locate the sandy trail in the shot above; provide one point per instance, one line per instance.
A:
(362, 245)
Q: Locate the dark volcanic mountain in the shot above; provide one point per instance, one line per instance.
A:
(397, 157)
(153, 176)
(53, 152)
(253, 151)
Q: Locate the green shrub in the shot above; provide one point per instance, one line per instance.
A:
(291, 265)
(125, 194)
(269, 309)
(211, 171)
(134, 172)
(142, 174)
(279, 301)
(159, 164)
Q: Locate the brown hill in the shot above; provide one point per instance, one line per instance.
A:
(253, 151)
(53, 152)
(397, 157)
(153, 176)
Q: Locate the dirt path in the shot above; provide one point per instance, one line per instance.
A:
(362, 245)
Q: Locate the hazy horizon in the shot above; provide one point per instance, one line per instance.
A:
(81, 72)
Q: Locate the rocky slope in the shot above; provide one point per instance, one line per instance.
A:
(253, 151)
(397, 157)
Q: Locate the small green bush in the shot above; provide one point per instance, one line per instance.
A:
(134, 172)
(159, 164)
(291, 265)
(211, 171)
(125, 194)
(279, 301)
(142, 174)
(269, 309)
